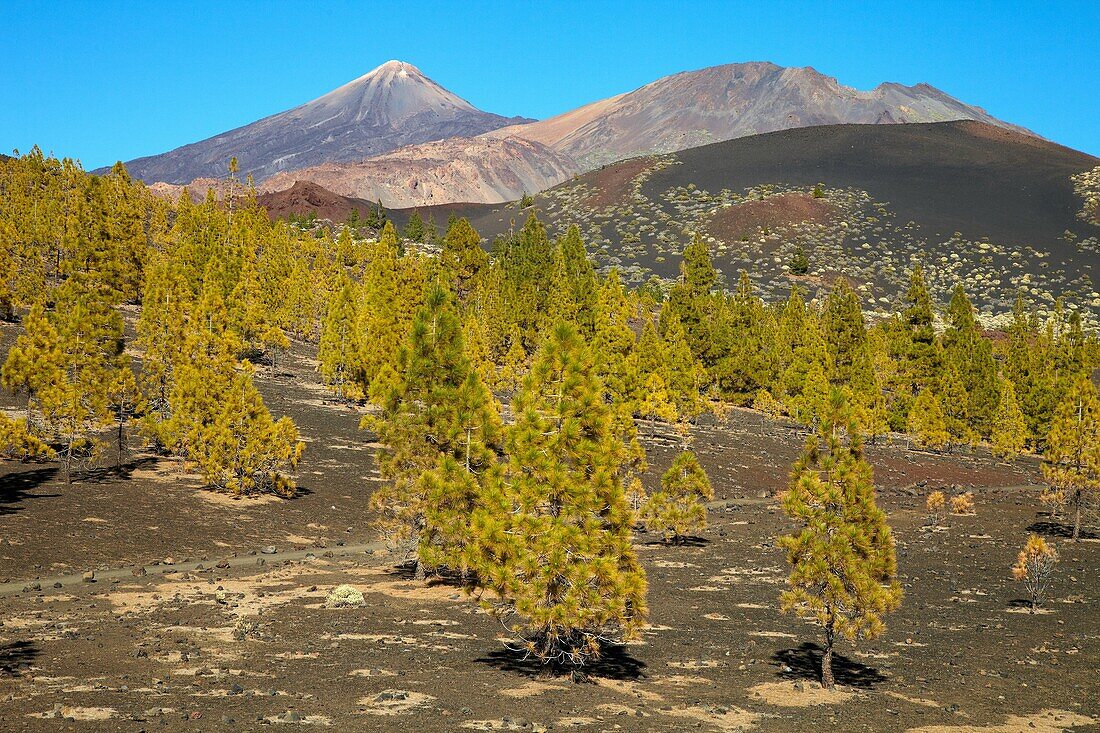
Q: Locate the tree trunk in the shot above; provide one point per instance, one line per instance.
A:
(827, 679)
(1077, 515)
(118, 460)
(419, 573)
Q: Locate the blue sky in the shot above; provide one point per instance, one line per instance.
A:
(101, 81)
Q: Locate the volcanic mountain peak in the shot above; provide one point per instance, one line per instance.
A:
(394, 92)
(390, 107)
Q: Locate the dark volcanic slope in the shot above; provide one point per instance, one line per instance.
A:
(892, 195)
(962, 176)
(393, 106)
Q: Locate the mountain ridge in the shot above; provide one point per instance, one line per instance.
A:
(725, 102)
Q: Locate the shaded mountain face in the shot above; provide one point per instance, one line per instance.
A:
(481, 170)
(725, 102)
(393, 106)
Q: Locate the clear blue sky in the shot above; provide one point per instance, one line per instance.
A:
(101, 81)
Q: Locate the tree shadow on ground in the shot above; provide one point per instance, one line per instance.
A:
(406, 571)
(616, 663)
(109, 474)
(17, 487)
(16, 656)
(685, 541)
(804, 663)
(1052, 528)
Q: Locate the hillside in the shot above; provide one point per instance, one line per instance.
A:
(390, 107)
(304, 198)
(890, 194)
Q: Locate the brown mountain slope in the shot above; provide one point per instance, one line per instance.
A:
(724, 102)
(484, 170)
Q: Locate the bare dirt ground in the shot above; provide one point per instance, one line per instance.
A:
(229, 637)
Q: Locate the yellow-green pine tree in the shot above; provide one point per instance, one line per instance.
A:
(843, 564)
(1009, 426)
(679, 508)
(926, 422)
(555, 549)
(1072, 457)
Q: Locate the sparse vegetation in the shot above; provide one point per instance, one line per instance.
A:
(936, 505)
(962, 504)
(1034, 566)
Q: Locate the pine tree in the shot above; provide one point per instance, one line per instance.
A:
(921, 357)
(1034, 566)
(339, 350)
(842, 557)
(76, 406)
(684, 374)
(679, 507)
(477, 351)
(581, 278)
(462, 259)
(220, 422)
(614, 340)
(926, 422)
(414, 227)
(514, 365)
(845, 330)
(813, 399)
(650, 354)
(655, 404)
(458, 484)
(1009, 427)
(437, 408)
(35, 361)
(556, 550)
(122, 398)
(869, 387)
(384, 310)
(20, 442)
(767, 404)
(972, 356)
(955, 404)
(800, 264)
(1072, 457)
